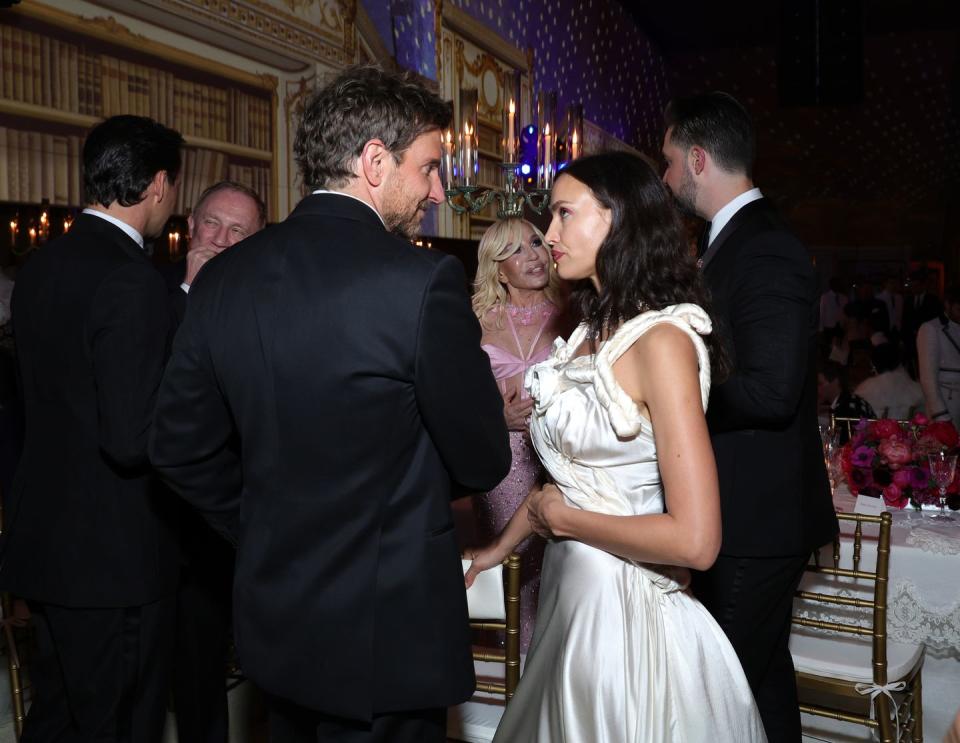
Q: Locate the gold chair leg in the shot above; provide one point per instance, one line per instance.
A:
(16, 688)
(917, 708)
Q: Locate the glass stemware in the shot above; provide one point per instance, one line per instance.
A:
(943, 467)
(830, 439)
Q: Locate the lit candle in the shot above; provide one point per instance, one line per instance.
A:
(13, 232)
(33, 236)
(574, 146)
(468, 154)
(448, 175)
(510, 154)
(547, 157)
(67, 224)
(173, 243)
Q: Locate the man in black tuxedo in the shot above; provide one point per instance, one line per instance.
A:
(774, 493)
(89, 543)
(325, 391)
(226, 213)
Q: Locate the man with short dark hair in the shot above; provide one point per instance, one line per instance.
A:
(774, 493)
(326, 389)
(88, 541)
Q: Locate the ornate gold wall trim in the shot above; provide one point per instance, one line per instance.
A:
(108, 29)
(488, 40)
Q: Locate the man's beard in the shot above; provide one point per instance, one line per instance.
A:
(686, 195)
(402, 218)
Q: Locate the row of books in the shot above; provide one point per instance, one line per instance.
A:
(69, 77)
(37, 167)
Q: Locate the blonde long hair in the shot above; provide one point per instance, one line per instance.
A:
(498, 243)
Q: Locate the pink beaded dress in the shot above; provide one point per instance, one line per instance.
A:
(493, 510)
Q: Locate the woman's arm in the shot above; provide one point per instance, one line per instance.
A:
(659, 371)
(516, 530)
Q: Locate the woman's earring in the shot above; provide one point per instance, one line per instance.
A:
(554, 265)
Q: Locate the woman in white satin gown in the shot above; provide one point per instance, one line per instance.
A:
(622, 652)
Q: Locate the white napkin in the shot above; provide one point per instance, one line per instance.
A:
(485, 596)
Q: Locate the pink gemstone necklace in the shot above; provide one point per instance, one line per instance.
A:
(530, 315)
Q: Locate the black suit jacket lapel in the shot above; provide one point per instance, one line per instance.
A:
(730, 227)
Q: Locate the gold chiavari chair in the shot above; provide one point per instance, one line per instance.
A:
(845, 426)
(477, 719)
(849, 670)
(509, 655)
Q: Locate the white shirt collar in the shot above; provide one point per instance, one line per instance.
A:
(726, 213)
(350, 196)
(134, 235)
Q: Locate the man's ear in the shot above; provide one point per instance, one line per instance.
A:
(698, 159)
(372, 162)
(160, 186)
(190, 226)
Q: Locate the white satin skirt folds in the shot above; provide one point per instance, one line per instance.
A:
(621, 652)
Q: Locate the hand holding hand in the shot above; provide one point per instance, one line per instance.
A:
(542, 506)
(195, 260)
(517, 411)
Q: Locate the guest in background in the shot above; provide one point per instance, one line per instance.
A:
(921, 305)
(868, 315)
(892, 393)
(226, 213)
(89, 542)
(763, 417)
(518, 299)
(892, 298)
(834, 396)
(938, 354)
(839, 348)
(832, 302)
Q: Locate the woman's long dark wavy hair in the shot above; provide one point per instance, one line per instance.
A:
(644, 262)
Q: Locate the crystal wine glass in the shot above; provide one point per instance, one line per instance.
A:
(943, 466)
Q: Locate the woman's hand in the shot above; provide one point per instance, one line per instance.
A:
(483, 559)
(516, 411)
(542, 508)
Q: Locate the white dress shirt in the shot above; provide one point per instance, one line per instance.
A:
(725, 214)
(134, 235)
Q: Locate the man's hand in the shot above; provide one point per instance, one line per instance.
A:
(195, 260)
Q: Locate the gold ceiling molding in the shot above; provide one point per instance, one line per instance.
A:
(266, 23)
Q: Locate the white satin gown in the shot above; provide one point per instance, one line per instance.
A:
(621, 652)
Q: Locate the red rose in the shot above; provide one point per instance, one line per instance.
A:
(944, 432)
(885, 428)
(919, 419)
(893, 496)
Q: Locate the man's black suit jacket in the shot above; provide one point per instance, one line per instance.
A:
(774, 493)
(325, 387)
(84, 524)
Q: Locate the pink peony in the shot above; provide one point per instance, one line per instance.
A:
(919, 420)
(893, 496)
(896, 452)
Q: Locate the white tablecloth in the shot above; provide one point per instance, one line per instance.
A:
(923, 600)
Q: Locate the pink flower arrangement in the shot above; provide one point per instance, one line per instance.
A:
(889, 459)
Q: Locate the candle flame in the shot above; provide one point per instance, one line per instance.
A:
(546, 130)
(511, 107)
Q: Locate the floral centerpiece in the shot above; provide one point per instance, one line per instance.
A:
(889, 459)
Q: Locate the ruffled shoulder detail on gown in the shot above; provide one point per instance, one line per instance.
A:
(624, 414)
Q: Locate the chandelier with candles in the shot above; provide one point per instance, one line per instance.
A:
(460, 168)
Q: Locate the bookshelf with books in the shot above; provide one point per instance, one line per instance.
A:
(60, 74)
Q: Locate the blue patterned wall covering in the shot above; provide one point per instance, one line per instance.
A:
(590, 51)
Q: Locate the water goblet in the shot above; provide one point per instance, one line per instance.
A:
(943, 467)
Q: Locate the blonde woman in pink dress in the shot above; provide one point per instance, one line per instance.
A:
(517, 298)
